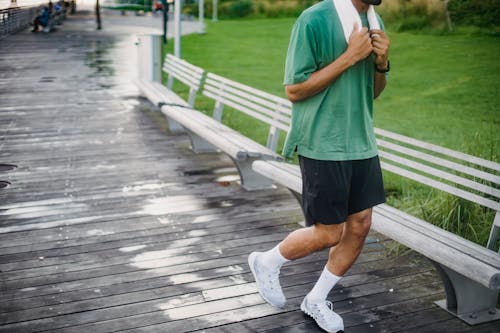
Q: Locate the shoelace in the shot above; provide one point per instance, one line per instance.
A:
(329, 305)
(272, 276)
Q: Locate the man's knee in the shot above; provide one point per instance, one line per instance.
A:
(359, 224)
(328, 235)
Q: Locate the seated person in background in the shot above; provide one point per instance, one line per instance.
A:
(42, 19)
(58, 12)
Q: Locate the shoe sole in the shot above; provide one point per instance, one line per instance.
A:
(304, 309)
(251, 262)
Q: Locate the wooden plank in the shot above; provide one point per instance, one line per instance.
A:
(194, 306)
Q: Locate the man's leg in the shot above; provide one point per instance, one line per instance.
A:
(343, 256)
(305, 241)
(340, 259)
(36, 23)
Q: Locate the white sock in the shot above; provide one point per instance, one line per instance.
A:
(323, 286)
(273, 259)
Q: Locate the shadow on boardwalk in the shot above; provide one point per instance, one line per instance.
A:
(112, 224)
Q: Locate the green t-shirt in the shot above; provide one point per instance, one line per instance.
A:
(337, 123)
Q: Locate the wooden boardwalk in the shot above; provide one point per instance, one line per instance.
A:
(111, 224)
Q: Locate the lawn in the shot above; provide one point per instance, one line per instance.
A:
(443, 89)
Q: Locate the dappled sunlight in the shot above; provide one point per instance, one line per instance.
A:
(181, 300)
(174, 204)
(143, 187)
(27, 212)
(99, 232)
(230, 291)
(133, 248)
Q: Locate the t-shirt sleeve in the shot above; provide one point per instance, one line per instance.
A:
(300, 58)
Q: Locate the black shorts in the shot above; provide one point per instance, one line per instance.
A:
(333, 190)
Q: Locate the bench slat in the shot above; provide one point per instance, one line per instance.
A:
(439, 161)
(185, 78)
(226, 94)
(442, 174)
(270, 107)
(438, 149)
(254, 114)
(283, 173)
(450, 239)
(157, 93)
(442, 186)
(175, 61)
(227, 82)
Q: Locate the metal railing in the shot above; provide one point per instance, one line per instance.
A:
(15, 19)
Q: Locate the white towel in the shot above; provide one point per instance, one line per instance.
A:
(349, 15)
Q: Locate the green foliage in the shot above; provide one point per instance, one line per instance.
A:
(481, 13)
(412, 15)
(443, 89)
(240, 8)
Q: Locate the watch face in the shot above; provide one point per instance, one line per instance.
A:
(372, 2)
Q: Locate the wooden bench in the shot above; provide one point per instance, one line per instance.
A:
(470, 272)
(158, 94)
(210, 134)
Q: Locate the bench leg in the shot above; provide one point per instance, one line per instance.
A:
(174, 127)
(251, 180)
(199, 145)
(467, 299)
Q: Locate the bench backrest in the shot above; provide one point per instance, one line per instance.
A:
(465, 176)
(272, 110)
(185, 72)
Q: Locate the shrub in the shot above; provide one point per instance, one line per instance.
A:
(403, 15)
(240, 8)
(481, 13)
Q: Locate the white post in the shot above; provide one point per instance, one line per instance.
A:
(149, 57)
(214, 10)
(201, 14)
(177, 27)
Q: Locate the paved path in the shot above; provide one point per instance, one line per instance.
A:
(112, 224)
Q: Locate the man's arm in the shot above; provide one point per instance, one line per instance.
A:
(381, 44)
(359, 47)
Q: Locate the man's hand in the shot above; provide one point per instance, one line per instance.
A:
(380, 43)
(360, 44)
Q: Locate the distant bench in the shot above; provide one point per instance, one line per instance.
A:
(470, 272)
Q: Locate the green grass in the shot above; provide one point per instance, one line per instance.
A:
(443, 89)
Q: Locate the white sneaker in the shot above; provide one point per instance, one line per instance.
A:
(268, 282)
(324, 315)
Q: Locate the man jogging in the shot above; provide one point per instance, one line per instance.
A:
(336, 65)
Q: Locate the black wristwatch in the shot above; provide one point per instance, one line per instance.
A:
(384, 70)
